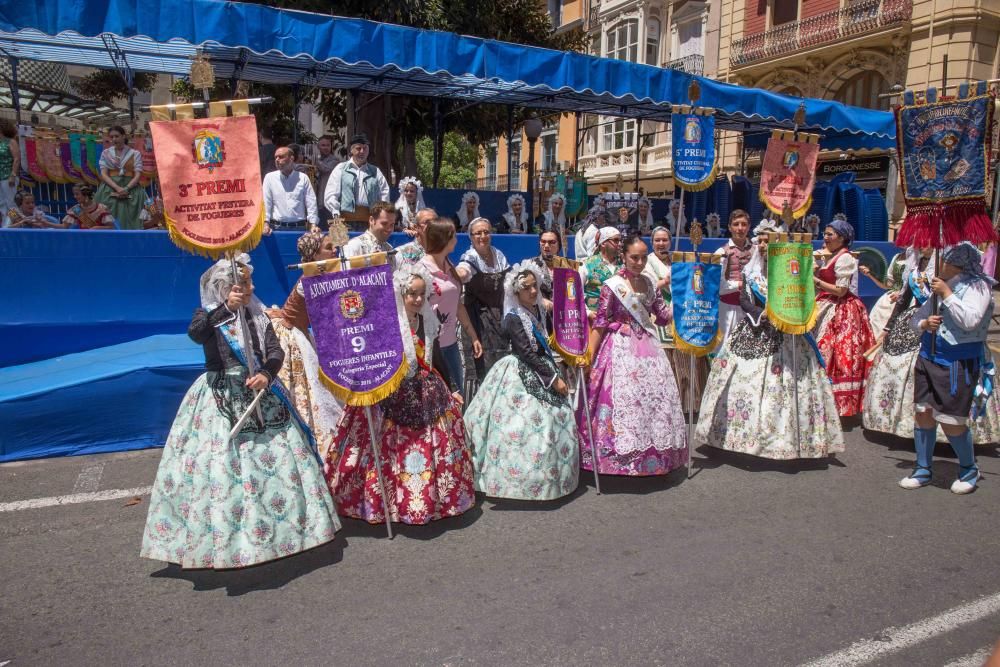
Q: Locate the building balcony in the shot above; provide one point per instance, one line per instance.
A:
(693, 64)
(860, 18)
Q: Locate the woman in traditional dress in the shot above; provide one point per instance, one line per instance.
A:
(468, 211)
(892, 283)
(888, 405)
(411, 200)
(223, 504)
(658, 270)
(516, 220)
(121, 169)
(426, 466)
(750, 401)
(636, 415)
(300, 371)
(601, 266)
(842, 331)
(88, 214)
(521, 427)
(10, 166)
(482, 268)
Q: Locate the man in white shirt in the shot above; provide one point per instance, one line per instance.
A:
(289, 200)
(354, 186)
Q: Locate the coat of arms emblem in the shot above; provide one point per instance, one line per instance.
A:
(351, 305)
(209, 150)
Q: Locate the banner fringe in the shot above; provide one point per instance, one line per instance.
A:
(789, 327)
(696, 350)
(246, 244)
(797, 213)
(367, 398)
(701, 185)
(569, 357)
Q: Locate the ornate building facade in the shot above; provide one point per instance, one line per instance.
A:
(860, 52)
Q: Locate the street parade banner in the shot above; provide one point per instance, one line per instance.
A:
(354, 320)
(788, 174)
(210, 179)
(570, 330)
(944, 167)
(694, 290)
(694, 148)
(791, 292)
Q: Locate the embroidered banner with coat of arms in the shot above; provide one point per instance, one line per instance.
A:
(944, 149)
(570, 324)
(791, 292)
(694, 148)
(354, 318)
(788, 173)
(694, 290)
(209, 173)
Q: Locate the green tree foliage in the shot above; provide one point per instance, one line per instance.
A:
(394, 124)
(458, 163)
(107, 85)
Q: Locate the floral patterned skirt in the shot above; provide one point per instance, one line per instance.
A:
(635, 409)
(748, 405)
(427, 470)
(843, 335)
(524, 440)
(889, 401)
(300, 375)
(219, 504)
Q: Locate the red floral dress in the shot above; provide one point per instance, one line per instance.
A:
(426, 465)
(843, 336)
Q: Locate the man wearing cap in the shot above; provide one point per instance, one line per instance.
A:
(354, 186)
(601, 266)
(948, 367)
(289, 200)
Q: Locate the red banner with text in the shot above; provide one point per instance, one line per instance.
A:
(209, 173)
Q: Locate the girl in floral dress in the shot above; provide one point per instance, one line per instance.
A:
(224, 504)
(300, 373)
(749, 404)
(521, 427)
(842, 331)
(426, 465)
(635, 410)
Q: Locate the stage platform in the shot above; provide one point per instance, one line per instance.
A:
(111, 399)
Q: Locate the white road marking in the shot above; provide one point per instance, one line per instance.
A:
(74, 499)
(893, 640)
(977, 659)
(89, 478)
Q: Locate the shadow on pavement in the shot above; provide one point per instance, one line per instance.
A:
(511, 505)
(263, 577)
(712, 458)
(637, 486)
(430, 531)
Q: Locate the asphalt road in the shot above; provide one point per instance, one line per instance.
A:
(747, 563)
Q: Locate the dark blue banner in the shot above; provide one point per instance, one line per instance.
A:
(694, 291)
(693, 150)
(943, 149)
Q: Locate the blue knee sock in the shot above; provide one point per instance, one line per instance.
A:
(923, 440)
(962, 444)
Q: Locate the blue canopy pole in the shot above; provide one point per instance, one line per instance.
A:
(510, 142)
(438, 120)
(15, 95)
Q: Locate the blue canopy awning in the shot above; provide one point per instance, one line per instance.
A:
(264, 44)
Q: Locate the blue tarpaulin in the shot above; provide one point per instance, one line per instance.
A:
(259, 43)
